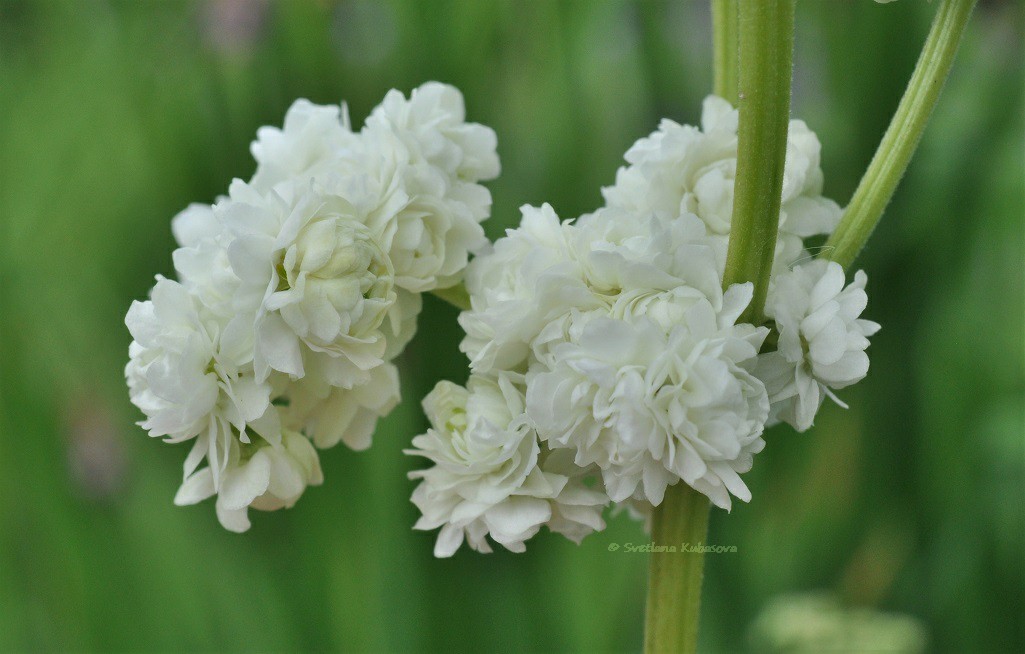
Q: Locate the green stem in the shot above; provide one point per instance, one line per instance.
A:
(766, 40)
(454, 295)
(901, 138)
(674, 578)
(724, 46)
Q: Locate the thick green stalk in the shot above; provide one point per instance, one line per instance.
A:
(765, 51)
(454, 295)
(674, 578)
(724, 46)
(766, 39)
(901, 138)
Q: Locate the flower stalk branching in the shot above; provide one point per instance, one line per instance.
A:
(902, 136)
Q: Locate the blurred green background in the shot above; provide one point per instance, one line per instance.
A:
(115, 115)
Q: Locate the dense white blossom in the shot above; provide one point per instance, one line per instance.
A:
(683, 169)
(314, 279)
(190, 371)
(487, 479)
(191, 374)
(504, 286)
(299, 288)
(421, 157)
(538, 273)
(202, 260)
(439, 158)
(329, 415)
(607, 359)
(631, 353)
(432, 124)
(633, 364)
(577, 509)
(822, 339)
(258, 475)
(650, 407)
(314, 140)
(195, 224)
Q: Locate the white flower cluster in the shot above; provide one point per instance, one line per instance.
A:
(298, 289)
(608, 362)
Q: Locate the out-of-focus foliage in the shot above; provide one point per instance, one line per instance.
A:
(813, 623)
(114, 115)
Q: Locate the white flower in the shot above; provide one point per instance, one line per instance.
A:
(682, 169)
(194, 224)
(631, 354)
(316, 281)
(431, 237)
(622, 254)
(329, 414)
(577, 509)
(189, 371)
(504, 286)
(191, 374)
(822, 340)
(260, 475)
(311, 142)
(424, 161)
(537, 274)
(432, 124)
(486, 480)
(298, 289)
(202, 260)
(424, 146)
(650, 407)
